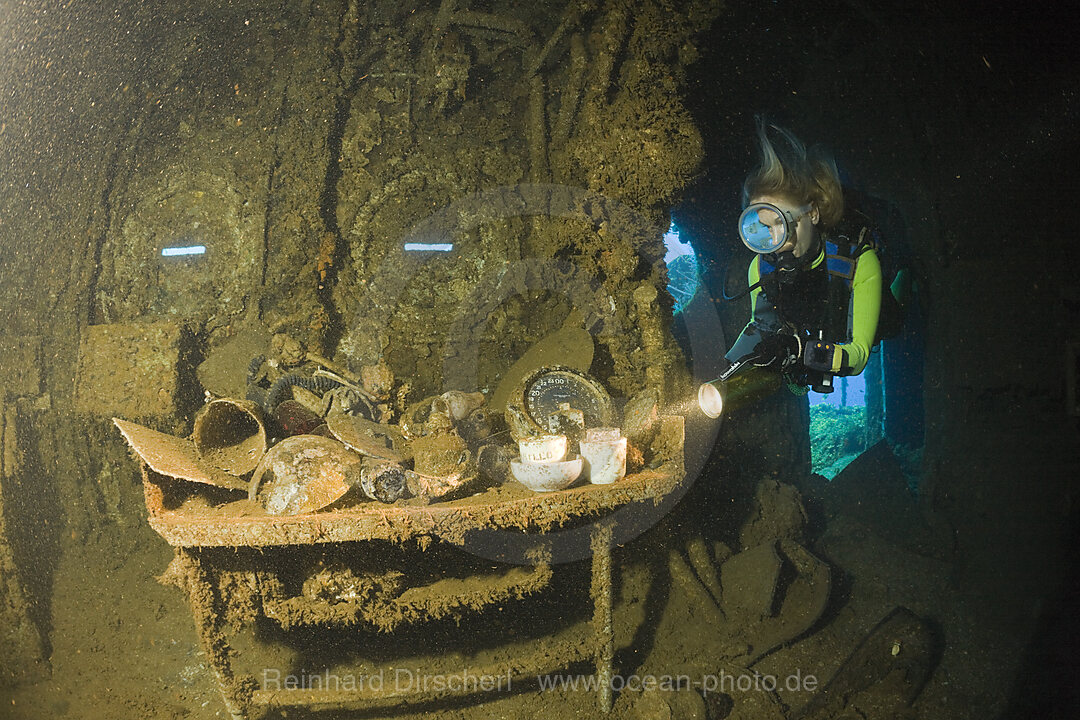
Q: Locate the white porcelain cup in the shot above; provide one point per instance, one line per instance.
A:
(605, 460)
(600, 434)
(543, 448)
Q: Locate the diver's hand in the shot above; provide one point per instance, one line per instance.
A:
(781, 349)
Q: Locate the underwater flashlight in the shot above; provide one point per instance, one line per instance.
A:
(710, 399)
(730, 392)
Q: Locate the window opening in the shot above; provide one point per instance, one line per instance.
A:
(840, 423)
(684, 278)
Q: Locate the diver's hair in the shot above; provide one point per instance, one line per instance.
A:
(791, 171)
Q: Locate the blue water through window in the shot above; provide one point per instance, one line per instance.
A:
(683, 270)
(839, 430)
(847, 392)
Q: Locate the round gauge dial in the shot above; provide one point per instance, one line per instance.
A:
(547, 388)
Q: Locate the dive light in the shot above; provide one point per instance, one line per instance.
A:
(729, 392)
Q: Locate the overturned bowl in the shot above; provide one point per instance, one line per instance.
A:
(546, 477)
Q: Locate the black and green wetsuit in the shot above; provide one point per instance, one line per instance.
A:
(838, 293)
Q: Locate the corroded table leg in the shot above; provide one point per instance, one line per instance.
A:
(188, 572)
(602, 612)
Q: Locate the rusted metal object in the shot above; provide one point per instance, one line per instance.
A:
(510, 507)
(415, 416)
(457, 405)
(440, 455)
(384, 601)
(382, 480)
(366, 437)
(304, 473)
(573, 397)
(442, 465)
(174, 457)
(295, 419)
(230, 435)
(435, 486)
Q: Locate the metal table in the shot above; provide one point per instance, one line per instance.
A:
(196, 530)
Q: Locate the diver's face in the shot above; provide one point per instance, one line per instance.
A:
(806, 228)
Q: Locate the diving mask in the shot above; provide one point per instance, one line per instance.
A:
(765, 227)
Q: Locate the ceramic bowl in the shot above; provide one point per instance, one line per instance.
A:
(546, 477)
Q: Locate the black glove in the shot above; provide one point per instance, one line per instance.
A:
(781, 348)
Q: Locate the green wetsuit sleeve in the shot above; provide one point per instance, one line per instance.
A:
(865, 306)
(753, 274)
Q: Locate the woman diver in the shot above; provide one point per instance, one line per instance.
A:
(815, 279)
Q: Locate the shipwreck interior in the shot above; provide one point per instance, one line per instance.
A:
(351, 354)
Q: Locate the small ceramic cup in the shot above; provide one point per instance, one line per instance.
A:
(543, 448)
(605, 459)
(603, 434)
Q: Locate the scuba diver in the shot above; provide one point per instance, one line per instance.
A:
(815, 281)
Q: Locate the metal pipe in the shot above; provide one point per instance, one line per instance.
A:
(602, 611)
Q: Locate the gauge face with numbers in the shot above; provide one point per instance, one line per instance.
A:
(548, 387)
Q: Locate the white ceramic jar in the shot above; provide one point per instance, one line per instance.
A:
(604, 451)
